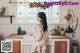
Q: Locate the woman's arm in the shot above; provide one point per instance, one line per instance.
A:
(31, 34)
(44, 38)
(41, 33)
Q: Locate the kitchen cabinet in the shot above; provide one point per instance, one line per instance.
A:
(16, 47)
(16, 42)
(60, 44)
(57, 44)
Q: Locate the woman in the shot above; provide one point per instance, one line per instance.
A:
(40, 34)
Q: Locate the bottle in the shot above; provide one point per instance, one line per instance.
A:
(19, 31)
(62, 31)
(58, 30)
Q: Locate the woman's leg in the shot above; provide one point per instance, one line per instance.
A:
(40, 49)
(35, 52)
(34, 48)
(43, 48)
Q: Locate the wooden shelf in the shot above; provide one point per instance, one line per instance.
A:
(11, 16)
(25, 2)
(7, 15)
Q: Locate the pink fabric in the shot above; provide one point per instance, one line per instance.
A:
(39, 38)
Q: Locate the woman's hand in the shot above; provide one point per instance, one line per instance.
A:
(42, 43)
(31, 34)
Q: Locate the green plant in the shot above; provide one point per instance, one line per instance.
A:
(35, 4)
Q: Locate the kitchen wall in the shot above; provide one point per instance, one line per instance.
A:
(6, 28)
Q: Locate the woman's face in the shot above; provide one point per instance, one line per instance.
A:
(39, 19)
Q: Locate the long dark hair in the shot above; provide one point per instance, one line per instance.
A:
(42, 15)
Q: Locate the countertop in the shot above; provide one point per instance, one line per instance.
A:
(59, 37)
(27, 40)
(15, 36)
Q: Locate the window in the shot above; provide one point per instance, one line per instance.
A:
(29, 15)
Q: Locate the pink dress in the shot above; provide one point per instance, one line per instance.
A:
(39, 35)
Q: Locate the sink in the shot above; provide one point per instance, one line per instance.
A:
(28, 39)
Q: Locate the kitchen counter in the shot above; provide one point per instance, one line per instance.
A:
(24, 42)
(59, 37)
(15, 36)
(26, 39)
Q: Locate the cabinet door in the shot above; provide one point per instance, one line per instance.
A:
(60, 47)
(16, 47)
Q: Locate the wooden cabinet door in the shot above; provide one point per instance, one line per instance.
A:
(60, 46)
(16, 47)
